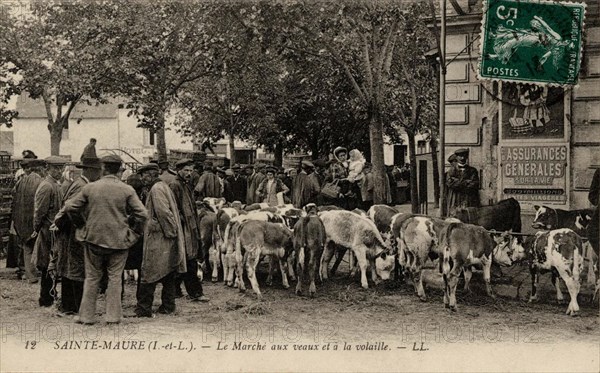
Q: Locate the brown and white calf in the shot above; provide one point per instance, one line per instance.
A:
(418, 240)
(466, 245)
(207, 254)
(382, 216)
(559, 251)
(230, 237)
(359, 234)
(218, 250)
(309, 240)
(256, 238)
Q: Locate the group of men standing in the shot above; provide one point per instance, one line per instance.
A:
(82, 232)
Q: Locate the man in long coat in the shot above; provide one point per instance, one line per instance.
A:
(48, 200)
(208, 184)
(253, 183)
(238, 184)
(463, 183)
(112, 208)
(22, 213)
(164, 245)
(191, 228)
(305, 186)
(67, 253)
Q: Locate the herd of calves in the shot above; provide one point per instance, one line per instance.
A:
(303, 242)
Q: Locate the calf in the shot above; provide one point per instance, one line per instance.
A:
(465, 245)
(309, 240)
(218, 249)
(215, 203)
(382, 216)
(359, 234)
(230, 236)
(578, 221)
(256, 238)
(503, 216)
(418, 240)
(208, 254)
(559, 251)
(550, 218)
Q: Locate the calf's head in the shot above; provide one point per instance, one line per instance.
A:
(385, 264)
(545, 218)
(505, 246)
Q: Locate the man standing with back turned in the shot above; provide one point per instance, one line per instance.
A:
(107, 236)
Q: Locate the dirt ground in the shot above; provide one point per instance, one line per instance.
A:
(341, 311)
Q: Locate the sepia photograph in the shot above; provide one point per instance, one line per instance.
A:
(299, 186)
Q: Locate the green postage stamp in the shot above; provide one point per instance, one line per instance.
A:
(532, 41)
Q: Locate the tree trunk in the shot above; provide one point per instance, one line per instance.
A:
(278, 151)
(56, 128)
(376, 142)
(232, 159)
(436, 170)
(55, 139)
(414, 192)
(161, 143)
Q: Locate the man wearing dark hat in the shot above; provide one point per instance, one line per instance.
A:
(463, 183)
(164, 246)
(27, 156)
(48, 200)
(188, 214)
(22, 213)
(238, 184)
(305, 186)
(67, 254)
(208, 184)
(166, 174)
(110, 207)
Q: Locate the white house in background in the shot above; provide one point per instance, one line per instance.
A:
(114, 130)
(108, 124)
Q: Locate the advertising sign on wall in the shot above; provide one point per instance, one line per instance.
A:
(535, 173)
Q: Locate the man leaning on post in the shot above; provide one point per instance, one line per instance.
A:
(107, 236)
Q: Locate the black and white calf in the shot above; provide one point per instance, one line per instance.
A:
(559, 251)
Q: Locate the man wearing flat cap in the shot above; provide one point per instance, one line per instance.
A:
(67, 253)
(305, 186)
(164, 246)
(111, 208)
(208, 184)
(47, 202)
(166, 174)
(188, 214)
(463, 183)
(22, 213)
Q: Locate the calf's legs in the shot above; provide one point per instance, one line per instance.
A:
(300, 270)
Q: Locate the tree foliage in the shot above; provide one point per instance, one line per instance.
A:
(60, 56)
